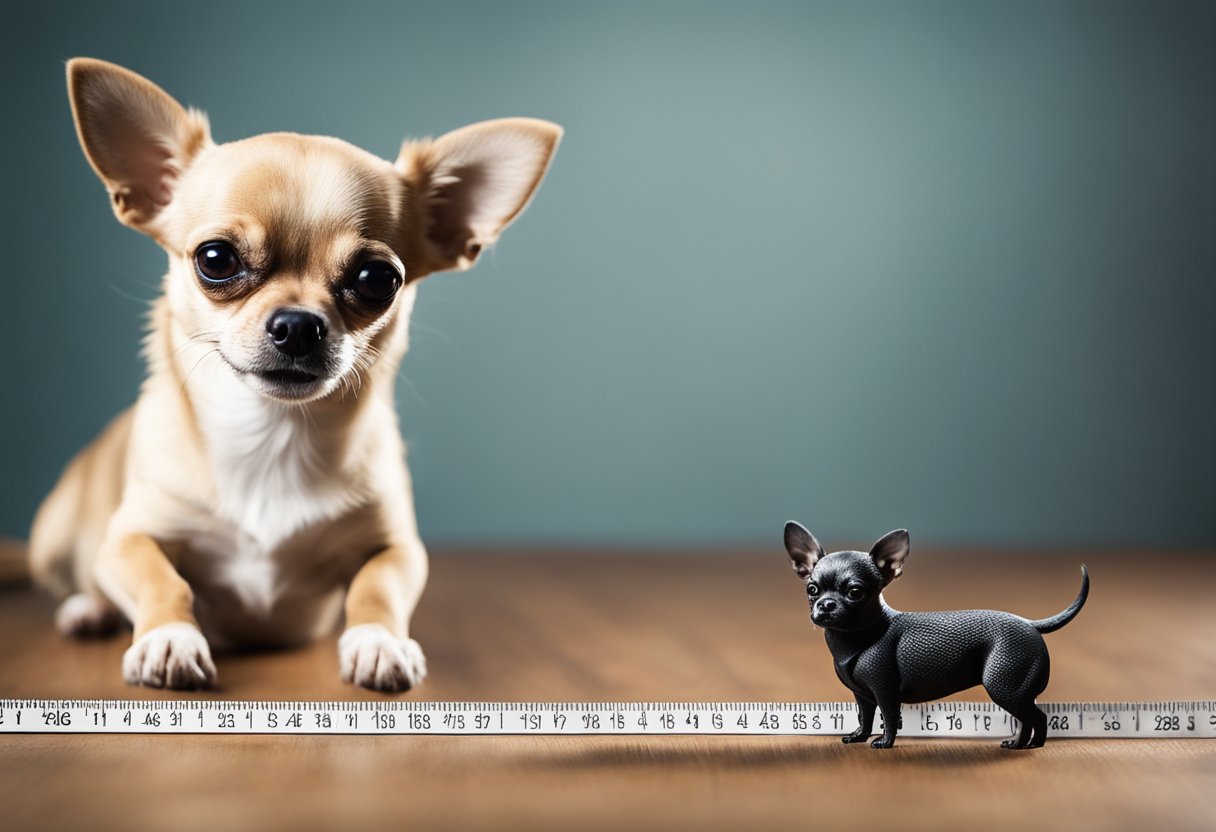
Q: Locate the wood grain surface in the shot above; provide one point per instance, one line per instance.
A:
(609, 625)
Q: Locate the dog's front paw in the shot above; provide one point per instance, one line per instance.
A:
(171, 656)
(856, 736)
(883, 742)
(372, 657)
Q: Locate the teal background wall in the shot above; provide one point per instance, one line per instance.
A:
(944, 265)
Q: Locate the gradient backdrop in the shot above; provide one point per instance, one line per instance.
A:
(943, 265)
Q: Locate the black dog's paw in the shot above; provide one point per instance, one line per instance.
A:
(1016, 745)
(883, 742)
(856, 736)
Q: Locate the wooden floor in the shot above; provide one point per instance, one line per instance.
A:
(612, 626)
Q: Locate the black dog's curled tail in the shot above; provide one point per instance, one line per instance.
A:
(1050, 625)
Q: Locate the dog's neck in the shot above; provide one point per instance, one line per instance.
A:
(276, 467)
(846, 644)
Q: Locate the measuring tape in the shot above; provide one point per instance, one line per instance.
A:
(1122, 720)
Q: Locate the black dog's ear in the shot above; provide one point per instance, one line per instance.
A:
(803, 548)
(889, 554)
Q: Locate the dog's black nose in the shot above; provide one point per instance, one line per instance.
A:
(295, 332)
(827, 605)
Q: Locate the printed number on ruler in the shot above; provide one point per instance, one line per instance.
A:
(938, 719)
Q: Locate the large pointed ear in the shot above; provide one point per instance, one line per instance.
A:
(474, 181)
(889, 554)
(137, 138)
(804, 550)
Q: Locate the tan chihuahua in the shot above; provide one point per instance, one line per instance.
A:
(261, 473)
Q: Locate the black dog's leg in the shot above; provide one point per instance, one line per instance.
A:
(1034, 728)
(865, 720)
(888, 703)
(1039, 737)
(1033, 732)
(1015, 693)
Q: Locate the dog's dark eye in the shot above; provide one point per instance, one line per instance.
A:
(812, 589)
(217, 262)
(855, 593)
(377, 281)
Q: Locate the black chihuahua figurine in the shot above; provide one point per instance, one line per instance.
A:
(887, 657)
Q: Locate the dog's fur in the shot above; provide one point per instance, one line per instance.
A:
(234, 499)
(886, 657)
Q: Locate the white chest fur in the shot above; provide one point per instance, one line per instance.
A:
(277, 471)
(283, 476)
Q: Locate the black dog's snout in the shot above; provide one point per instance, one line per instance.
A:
(295, 332)
(827, 605)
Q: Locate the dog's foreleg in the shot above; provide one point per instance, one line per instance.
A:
(888, 703)
(865, 720)
(169, 650)
(376, 650)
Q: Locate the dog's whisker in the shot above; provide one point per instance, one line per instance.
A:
(414, 390)
(416, 325)
(186, 378)
(124, 294)
(195, 343)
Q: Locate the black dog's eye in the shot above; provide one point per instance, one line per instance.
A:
(377, 281)
(855, 593)
(812, 589)
(217, 262)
